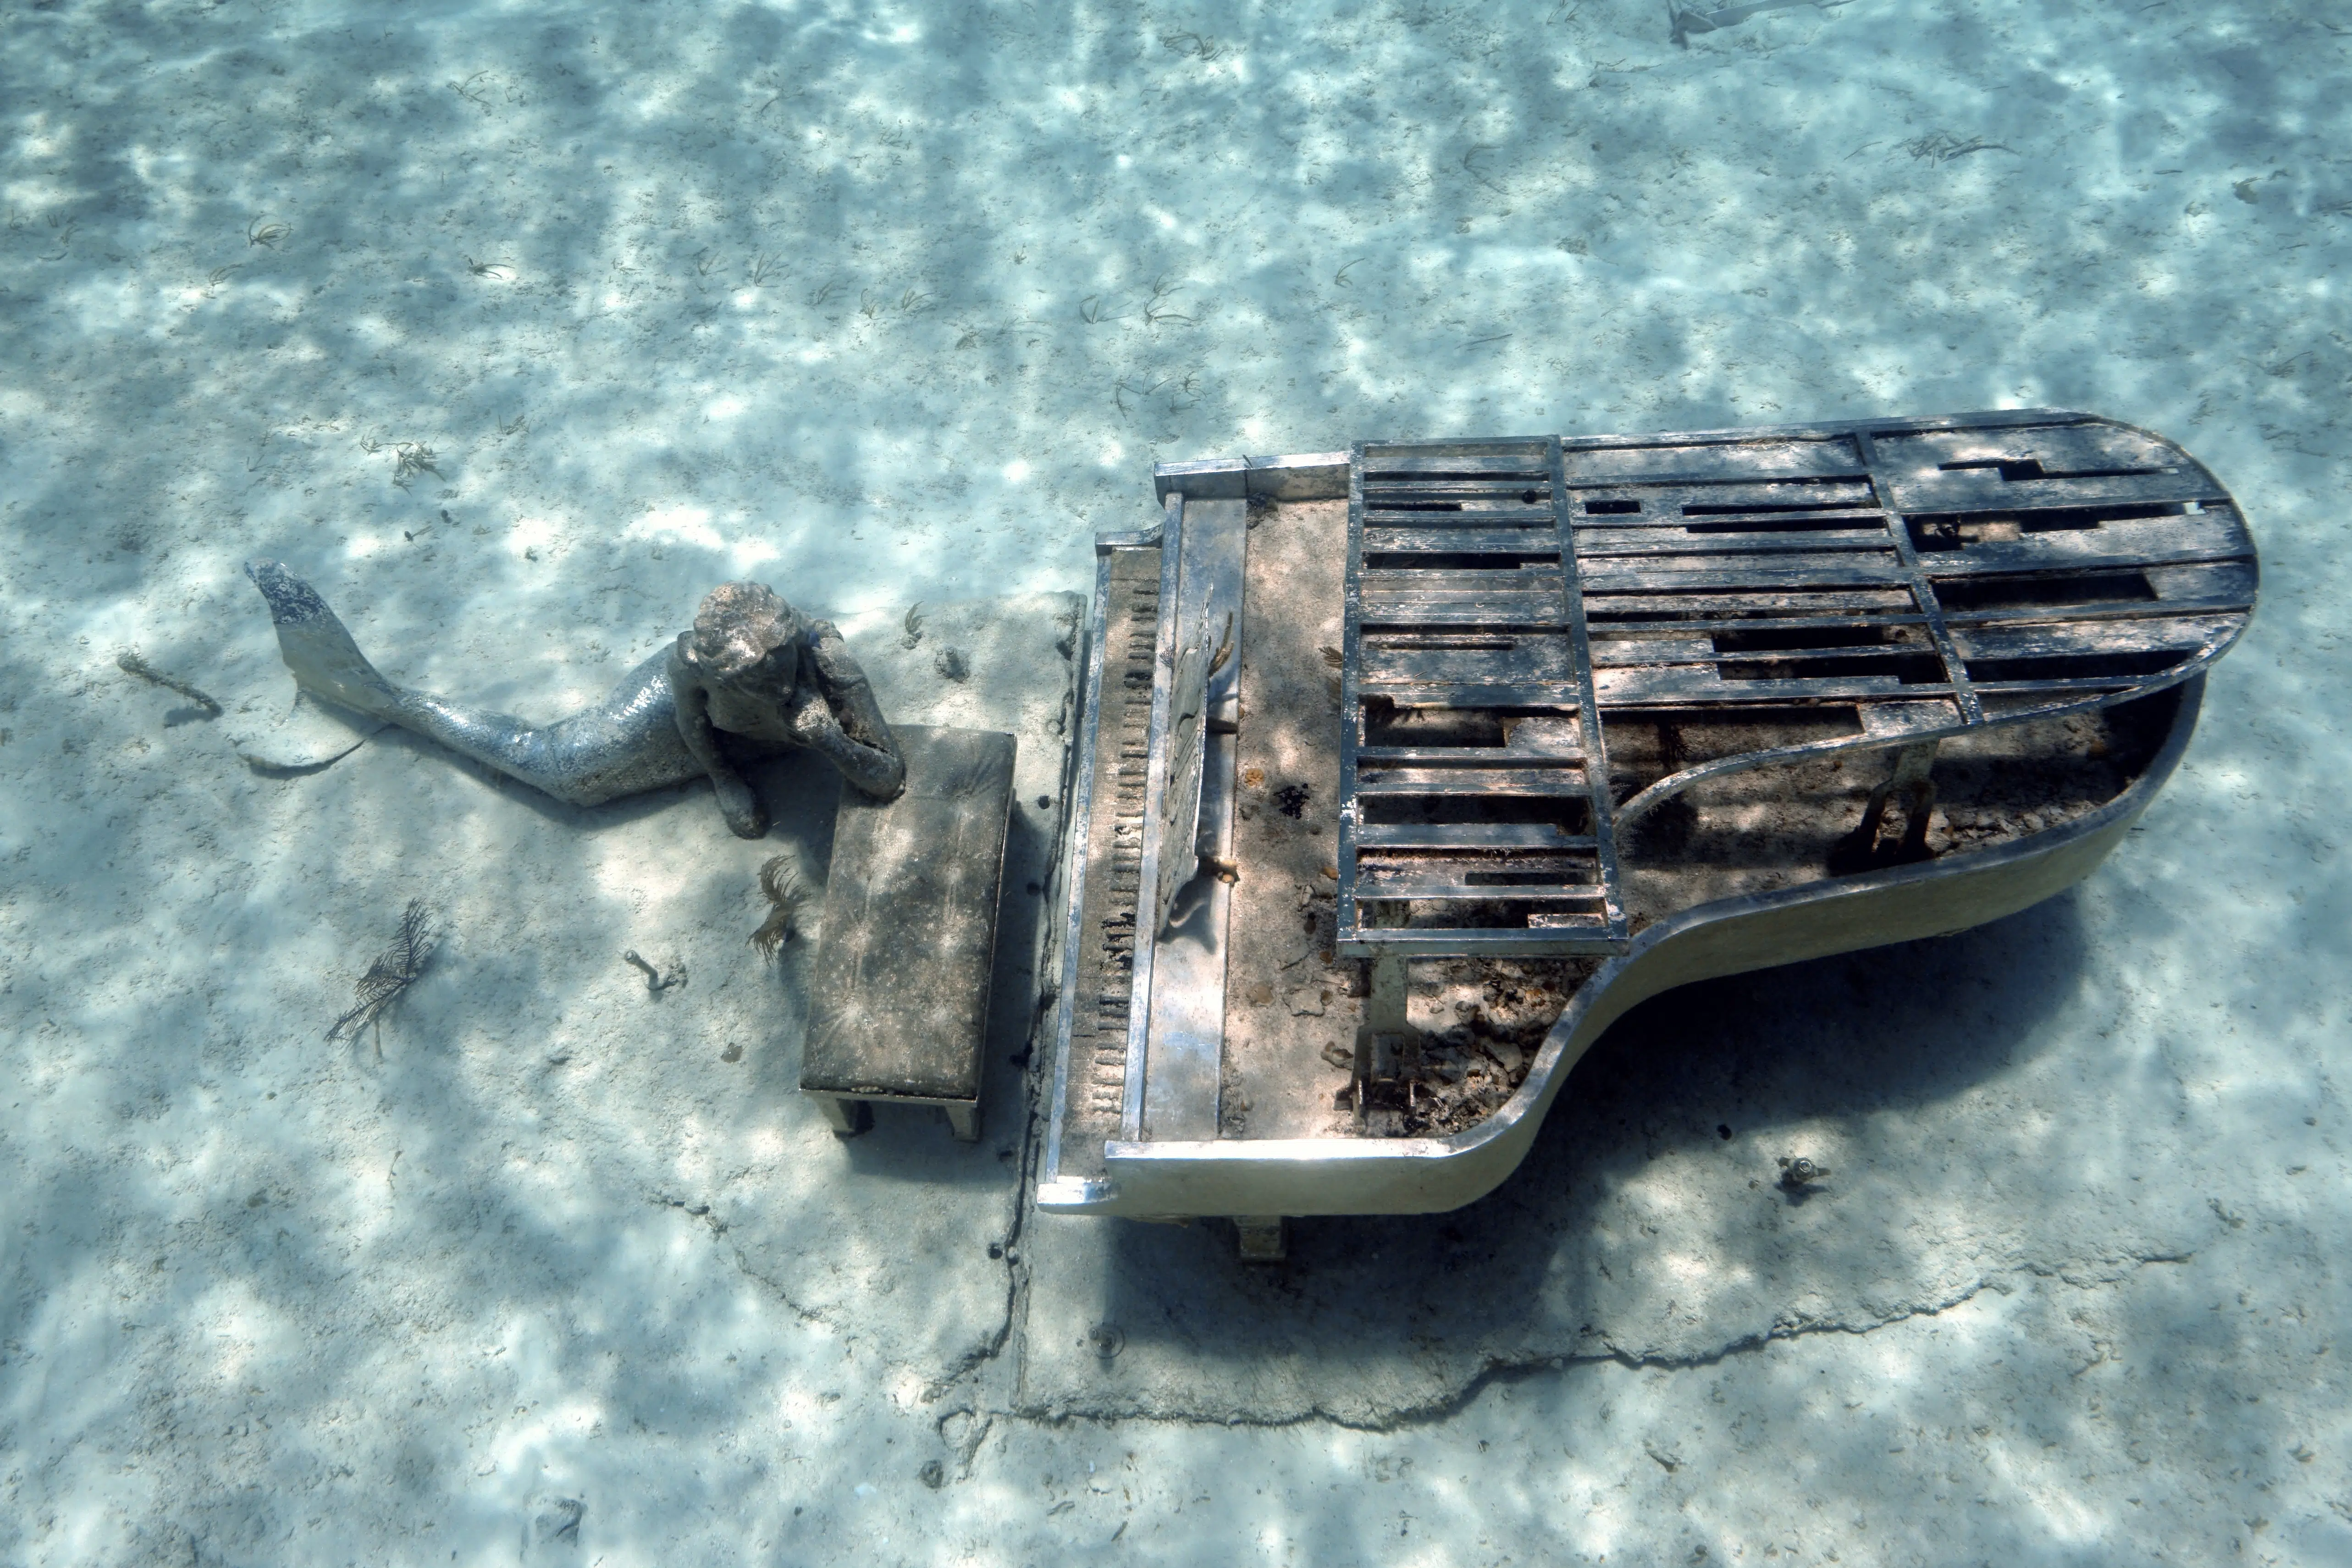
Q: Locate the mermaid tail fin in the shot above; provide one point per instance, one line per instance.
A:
(326, 662)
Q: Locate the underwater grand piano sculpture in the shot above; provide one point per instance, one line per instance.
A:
(1404, 770)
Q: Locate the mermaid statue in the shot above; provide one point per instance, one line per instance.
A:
(753, 679)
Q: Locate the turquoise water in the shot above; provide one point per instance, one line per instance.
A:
(516, 328)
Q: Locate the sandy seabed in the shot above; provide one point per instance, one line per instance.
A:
(517, 327)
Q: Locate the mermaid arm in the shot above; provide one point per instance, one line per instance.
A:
(691, 699)
(847, 725)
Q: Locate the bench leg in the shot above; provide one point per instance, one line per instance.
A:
(847, 1118)
(965, 1121)
(1264, 1239)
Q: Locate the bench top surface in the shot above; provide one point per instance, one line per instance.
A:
(899, 1007)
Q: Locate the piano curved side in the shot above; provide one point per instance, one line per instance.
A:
(1291, 1177)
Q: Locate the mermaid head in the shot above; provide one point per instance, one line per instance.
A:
(739, 627)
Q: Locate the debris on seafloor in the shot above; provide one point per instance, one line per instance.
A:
(780, 881)
(656, 980)
(130, 662)
(396, 969)
(411, 459)
(555, 1519)
(1438, 1082)
(1686, 21)
(1799, 1173)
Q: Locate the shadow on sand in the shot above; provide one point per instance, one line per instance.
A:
(1727, 1076)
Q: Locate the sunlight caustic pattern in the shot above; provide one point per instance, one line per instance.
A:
(518, 329)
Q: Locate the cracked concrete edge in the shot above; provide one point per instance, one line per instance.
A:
(1037, 1074)
(977, 1360)
(2106, 1271)
(2083, 1272)
(988, 1400)
(696, 1208)
(971, 1366)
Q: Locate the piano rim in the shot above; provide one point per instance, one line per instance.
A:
(1291, 1178)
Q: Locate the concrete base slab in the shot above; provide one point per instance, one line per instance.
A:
(1651, 1225)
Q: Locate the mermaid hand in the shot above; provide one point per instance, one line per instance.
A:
(810, 719)
(746, 818)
